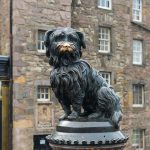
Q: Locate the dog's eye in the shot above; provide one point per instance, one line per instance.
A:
(58, 38)
(72, 38)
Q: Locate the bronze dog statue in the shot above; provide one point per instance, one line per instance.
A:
(75, 83)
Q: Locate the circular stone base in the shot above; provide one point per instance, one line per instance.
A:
(73, 135)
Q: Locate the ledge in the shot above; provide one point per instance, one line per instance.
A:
(141, 25)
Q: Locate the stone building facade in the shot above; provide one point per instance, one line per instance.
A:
(33, 113)
(126, 75)
(113, 40)
(4, 27)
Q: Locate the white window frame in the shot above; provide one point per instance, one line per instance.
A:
(141, 87)
(106, 76)
(103, 32)
(137, 11)
(40, 50)
(136, 134)
(105, 6)
(39, 95)
(137, 52)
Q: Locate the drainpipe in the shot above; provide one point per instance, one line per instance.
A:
(11, 78)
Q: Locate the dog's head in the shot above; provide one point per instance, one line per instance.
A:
(63, 45)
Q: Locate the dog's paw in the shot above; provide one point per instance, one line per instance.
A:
(84, 114)
(74, 115)
(95, 115)
(64, 116)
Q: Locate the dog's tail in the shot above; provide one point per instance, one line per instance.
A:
(109, 102)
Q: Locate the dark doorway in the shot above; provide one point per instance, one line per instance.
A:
(40, 143)
(4, 103)
(0, 124)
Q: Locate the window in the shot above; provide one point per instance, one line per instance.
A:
(137, 52)
(41, 47)
(138, 95)
(105, 4)
(104, 40)
(138, 139)
(43, 93)
(137, 10)
(106, 76)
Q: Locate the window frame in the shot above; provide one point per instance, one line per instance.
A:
(104, 7)
(44, 99)
(104, 51)
(138, 132)
(142, 96)
(135, 9)
(137, 52)
(41, 42)
(109, 76)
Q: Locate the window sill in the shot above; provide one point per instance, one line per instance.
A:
(141, 25)
(106, 8)
(44, 102)
(137, 21)
(39, 53)
(99, 51)
(137, 106)
(104, 53)
(139, 65)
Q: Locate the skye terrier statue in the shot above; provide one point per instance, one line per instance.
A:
(75, 83)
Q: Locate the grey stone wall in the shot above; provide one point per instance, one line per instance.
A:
(4, 27)
(31, 68)
(87, 17)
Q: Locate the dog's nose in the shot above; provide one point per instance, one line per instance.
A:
(66, 45)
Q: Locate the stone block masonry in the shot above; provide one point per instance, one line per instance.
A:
(88, 18)
(31, 68)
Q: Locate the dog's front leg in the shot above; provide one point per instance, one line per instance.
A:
(76, 108)
(67, 111)
(75, 112)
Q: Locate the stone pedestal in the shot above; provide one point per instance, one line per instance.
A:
(93, 135)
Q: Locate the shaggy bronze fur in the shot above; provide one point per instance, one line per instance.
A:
(75, 83)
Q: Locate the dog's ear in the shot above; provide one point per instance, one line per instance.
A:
(81, 36)
(46, 37)
(47, 41)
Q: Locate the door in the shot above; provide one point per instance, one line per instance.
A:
(4, 105)
(40, 143)
(0, 124)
